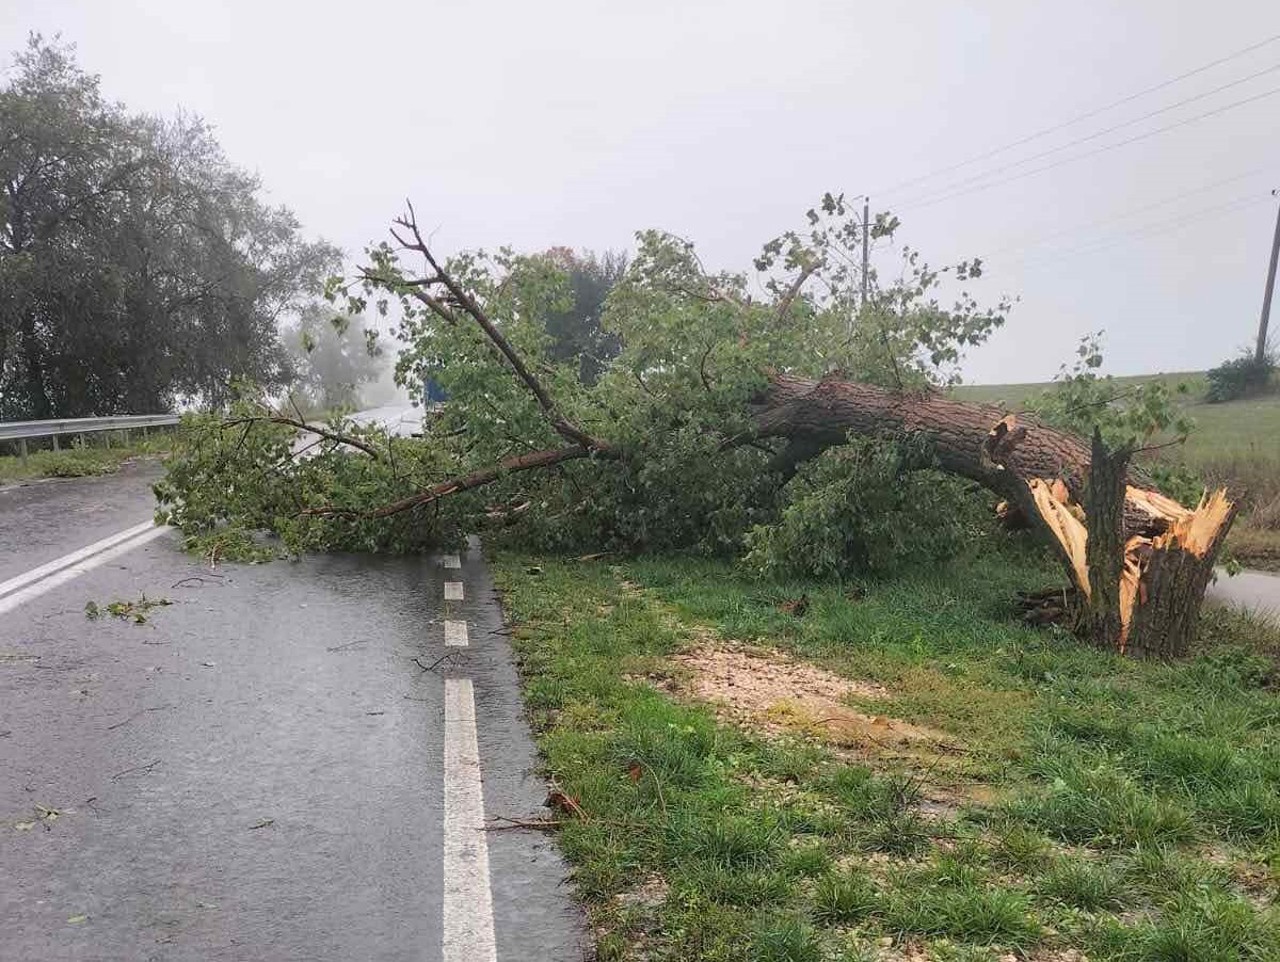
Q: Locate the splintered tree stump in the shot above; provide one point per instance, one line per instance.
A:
(1174, 572)
(1138, 561)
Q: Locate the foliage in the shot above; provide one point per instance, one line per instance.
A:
(107, 215)
(899, 335)
(1240, 377)
(669, 460)
(1082, 399)
(230, 477)
(865, 508)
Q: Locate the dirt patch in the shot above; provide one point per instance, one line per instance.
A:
(766, 690)
(649, 894)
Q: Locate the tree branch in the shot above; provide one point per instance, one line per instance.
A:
(471, 306)
(793, 291)
(313, 429)
(475, 479)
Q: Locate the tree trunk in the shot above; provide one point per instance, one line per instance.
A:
(1138, 561)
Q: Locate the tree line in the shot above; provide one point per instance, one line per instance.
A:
(139, 267)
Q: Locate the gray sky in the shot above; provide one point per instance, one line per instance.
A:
(549, 123)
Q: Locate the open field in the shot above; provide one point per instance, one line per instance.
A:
(902, 771)
(1248, 429)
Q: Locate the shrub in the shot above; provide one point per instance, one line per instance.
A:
(1242, 376)
(867, 507)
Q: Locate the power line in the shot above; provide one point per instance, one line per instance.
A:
(1101, 133)
(1122, 215)
(1150, 230)
(1093, 153)
(1044, 132)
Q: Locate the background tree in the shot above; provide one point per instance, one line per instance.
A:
(331, 359)
(577, 331)
(137, 264)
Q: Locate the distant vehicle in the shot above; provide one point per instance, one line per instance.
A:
(432, 393)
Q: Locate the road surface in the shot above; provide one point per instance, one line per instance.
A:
(1256, 591)
(263, 769)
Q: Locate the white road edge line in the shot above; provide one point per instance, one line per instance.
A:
(468, 902)
(453, 591)
(61, 577)
(35, 574)
(451, 561)
(455, 634)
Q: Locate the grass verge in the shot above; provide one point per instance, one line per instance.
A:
(1059, 802)
(78, 461)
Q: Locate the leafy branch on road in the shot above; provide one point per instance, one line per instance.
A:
(138, 612)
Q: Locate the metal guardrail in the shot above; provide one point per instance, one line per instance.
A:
(22, 431)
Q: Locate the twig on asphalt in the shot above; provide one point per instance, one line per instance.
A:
(531, 824)
(201, 579)
(137, 714)
(141, 769)
(349, 644)
(432, 667)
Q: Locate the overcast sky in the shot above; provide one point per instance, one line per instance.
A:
(540, 124)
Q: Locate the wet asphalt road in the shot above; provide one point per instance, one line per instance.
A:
(256, 772)
(1256, 591)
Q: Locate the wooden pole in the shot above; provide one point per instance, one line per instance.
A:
(1261, 354)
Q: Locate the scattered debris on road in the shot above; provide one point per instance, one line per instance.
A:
(137, 770)
(136, 611)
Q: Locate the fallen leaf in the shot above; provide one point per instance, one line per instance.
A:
(207, 664)
(795, 606)
(77, 919)
(24, 826)
(560, 802)
(634, 771)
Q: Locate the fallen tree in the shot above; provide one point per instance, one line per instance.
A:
(717, 397)
(1138, 561)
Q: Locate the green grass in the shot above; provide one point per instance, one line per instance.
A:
(1129, 810)
(78, 461)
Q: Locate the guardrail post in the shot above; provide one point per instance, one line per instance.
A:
(22, 450)
(55, 443)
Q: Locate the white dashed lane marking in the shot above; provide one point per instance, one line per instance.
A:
(453, 591)
(36, 582)
(451, 561)
(455, 634)
(468, 904)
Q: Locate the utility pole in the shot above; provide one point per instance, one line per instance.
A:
(866, 256)
(1266, 297)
